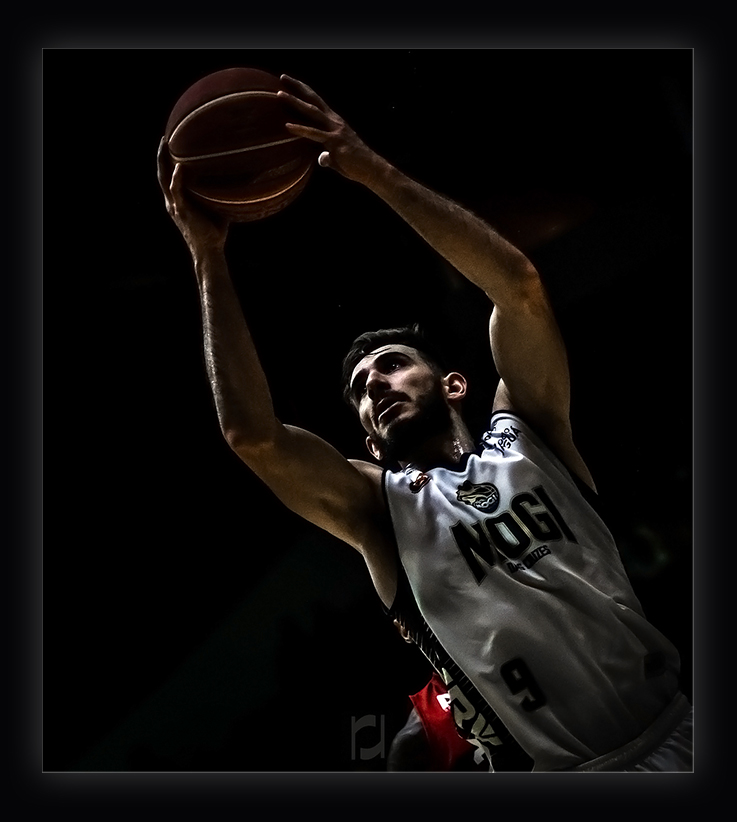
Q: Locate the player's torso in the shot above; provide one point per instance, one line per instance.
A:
(522, 584)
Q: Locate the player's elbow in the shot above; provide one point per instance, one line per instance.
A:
(249, 443)
(520, 285)
(526, 281)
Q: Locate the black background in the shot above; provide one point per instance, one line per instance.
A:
(190, 622)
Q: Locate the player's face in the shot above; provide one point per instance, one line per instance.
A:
(399, 398)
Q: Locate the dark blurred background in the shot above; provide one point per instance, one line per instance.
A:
(190, 621)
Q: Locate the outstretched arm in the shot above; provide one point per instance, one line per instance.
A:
(305, 472)
(526, 343)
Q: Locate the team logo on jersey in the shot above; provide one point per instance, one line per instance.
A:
(483, 496)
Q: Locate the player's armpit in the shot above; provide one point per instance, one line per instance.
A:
(556, 433)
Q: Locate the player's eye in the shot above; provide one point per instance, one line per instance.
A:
(360, 389)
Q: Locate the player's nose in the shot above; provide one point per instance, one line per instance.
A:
(376, 384)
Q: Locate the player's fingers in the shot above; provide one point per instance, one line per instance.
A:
(163, 167)
(177, 199)
(305, 92)
(314, 134)
(177, 184)
(305, 109)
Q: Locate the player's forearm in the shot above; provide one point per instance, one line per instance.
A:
(238, 383)
(466, 241)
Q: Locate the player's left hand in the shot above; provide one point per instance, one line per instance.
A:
(344, 151)
(201, 230)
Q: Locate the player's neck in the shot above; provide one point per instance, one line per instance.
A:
(445, 449)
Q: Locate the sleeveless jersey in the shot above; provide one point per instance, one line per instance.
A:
(521, 586)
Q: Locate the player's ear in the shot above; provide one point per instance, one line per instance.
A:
(373, 448)
(455, 386)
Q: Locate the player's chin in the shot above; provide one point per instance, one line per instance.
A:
(396, 418)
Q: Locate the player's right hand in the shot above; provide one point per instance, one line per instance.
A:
(344, 151)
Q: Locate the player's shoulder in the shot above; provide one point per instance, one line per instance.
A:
(369, 469)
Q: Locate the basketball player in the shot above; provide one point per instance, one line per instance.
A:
(492, 556)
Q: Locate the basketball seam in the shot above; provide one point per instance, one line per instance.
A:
(255, 199)
(180, 159)
(216, 102)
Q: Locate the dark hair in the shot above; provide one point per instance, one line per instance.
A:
(411, 335)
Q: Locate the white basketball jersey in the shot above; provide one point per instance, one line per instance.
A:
(522, 584)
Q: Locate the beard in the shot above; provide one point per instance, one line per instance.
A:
(406, 436)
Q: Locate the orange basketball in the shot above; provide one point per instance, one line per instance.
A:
(227, 130)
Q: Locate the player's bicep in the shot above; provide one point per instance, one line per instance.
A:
(316, 481)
